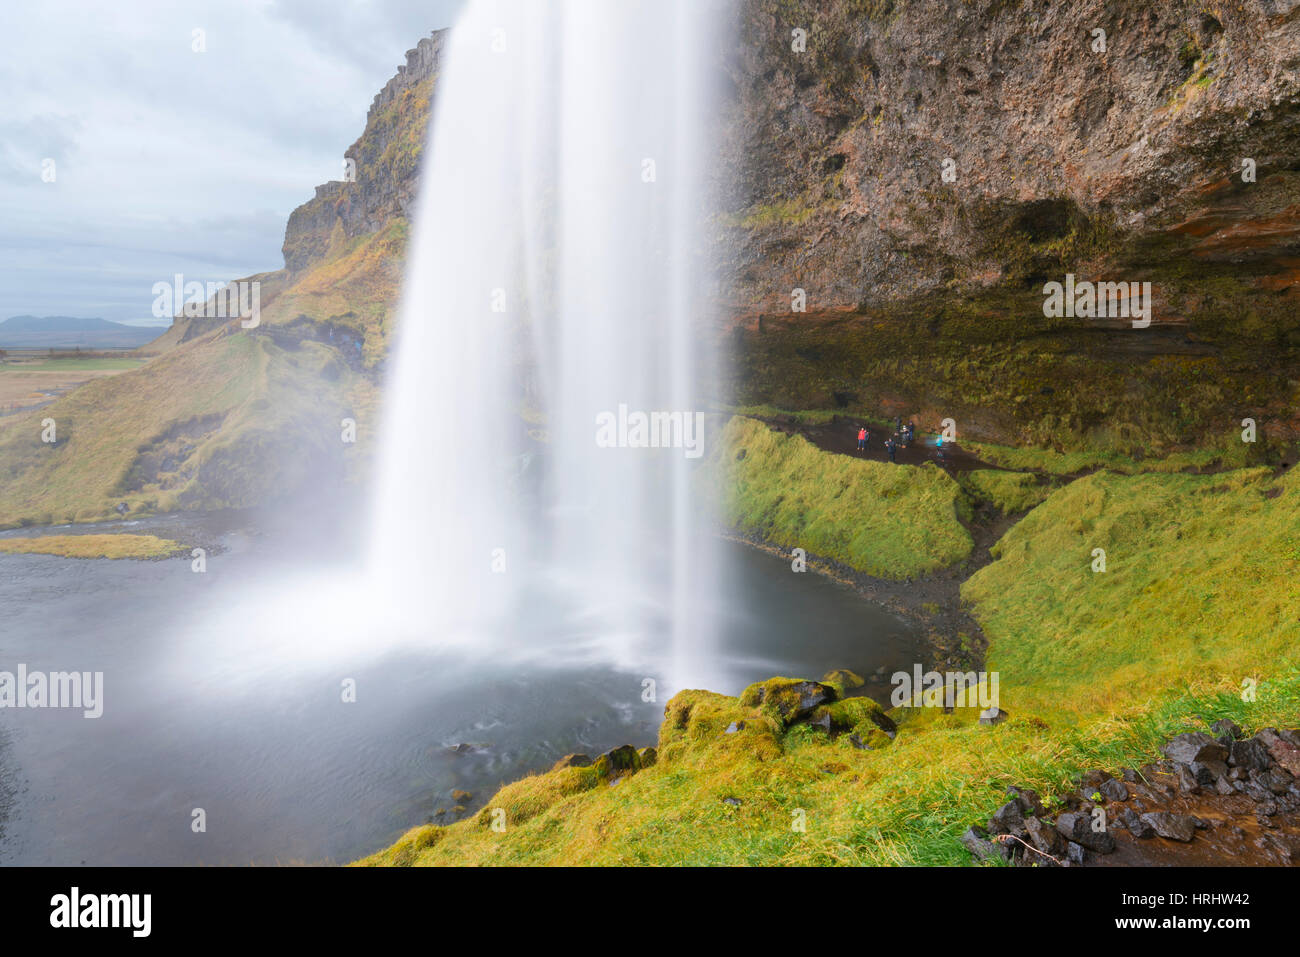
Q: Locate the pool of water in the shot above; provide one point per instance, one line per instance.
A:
(212, 703)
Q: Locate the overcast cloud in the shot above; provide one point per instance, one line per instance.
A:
(167, 160)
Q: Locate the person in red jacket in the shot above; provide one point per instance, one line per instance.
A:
(862, 438)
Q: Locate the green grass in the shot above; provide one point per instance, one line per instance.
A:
(92, 546)
(1199, 580)
(892, 521)
(1008, 491)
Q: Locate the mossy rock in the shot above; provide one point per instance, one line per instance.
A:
(572, 761)
(787, 700)
(407, 848)
(867, 739)
(842, 680)
(618, 761)
(696, 716)
(647, 757)
(860, 716)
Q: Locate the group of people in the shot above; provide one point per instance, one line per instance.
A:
(902, 437)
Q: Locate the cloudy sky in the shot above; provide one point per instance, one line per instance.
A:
(166, 160)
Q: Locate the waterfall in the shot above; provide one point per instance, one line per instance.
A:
(554, 328)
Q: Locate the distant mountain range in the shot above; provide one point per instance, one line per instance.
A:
(67, 332)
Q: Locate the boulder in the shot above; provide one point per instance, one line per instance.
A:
(1225, 731)
(1249, 754)
(1114, 790)
(572, 761)
(976, 840)
(1044, 838)
(1175, 827)
(1008, 819)
(1135, 825)
(1029, 801)
(1076, 826)
(843, 680)
(1282, 748)
(820, 718)
(1193, 746)
(1208, 771)
(993, 716)
(613, 764)
(462, 797)
(787, 699)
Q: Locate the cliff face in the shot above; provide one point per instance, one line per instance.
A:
(838, 152)
(386, 161)
(1116, 164)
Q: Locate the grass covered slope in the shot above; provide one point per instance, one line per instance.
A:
(1095, 671)
(891, 521)
(229, 419)
(93, 546)
(1199, 580)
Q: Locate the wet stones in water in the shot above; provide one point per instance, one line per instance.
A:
(462, 797)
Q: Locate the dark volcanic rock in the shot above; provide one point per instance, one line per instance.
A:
(1008, 819)
(1029, 801)
(1114, 790)
(1077, 826)
(1045, 838)
(976, 840)
(1282, 748)
(1226, 731)
(1175, 827)
(1135, 825)
(1249, 754)
(1194, 746)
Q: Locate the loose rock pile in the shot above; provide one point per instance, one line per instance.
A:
(1212, 769)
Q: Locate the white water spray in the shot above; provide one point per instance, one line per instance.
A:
(557, 273)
